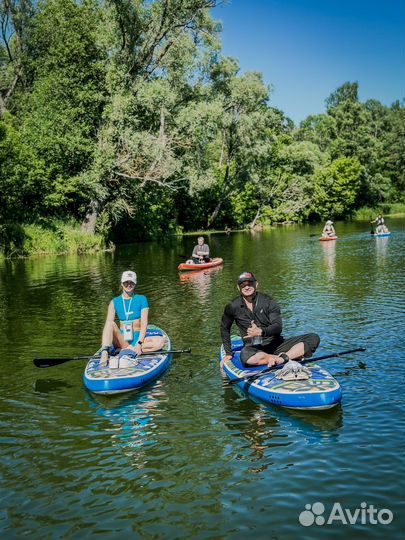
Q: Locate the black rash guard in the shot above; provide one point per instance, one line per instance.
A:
(266, 314)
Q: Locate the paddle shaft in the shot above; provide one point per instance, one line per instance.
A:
(51, 362)
(304, 361)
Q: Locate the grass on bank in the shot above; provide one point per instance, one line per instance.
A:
(55, 238)
(387, 210)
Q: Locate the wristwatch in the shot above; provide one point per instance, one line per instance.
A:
(140, 342)
(284, 356)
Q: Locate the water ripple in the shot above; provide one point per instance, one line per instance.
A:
(191, 456)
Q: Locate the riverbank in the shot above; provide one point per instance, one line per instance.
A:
(395, 210)
(56, 238)
(59, 238)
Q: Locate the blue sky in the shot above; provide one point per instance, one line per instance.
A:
(308, 48)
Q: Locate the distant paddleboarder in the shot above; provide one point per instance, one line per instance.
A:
(381, 227)
(329, 229)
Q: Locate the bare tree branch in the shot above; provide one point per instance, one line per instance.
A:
(144, 179)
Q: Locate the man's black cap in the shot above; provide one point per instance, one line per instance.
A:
(247, 276)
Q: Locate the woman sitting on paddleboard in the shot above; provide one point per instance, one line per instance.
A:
(132, 311)
(329, 229)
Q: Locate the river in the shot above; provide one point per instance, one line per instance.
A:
(190, 457)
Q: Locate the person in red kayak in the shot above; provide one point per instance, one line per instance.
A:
(258, 317)
(201, 252)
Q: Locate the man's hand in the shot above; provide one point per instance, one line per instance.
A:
(225, 359)
(274, 360)
(253, 331)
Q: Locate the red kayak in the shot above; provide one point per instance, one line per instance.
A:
(200, 266)
(326, 238)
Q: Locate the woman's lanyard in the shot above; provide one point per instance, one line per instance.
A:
(127, 311)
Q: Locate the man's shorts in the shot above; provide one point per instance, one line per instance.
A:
(310, 341)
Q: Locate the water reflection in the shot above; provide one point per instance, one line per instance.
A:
(265, 426)
(381, 246)
(132, 417)
(250, 420)
(329, 253)
(200, 282)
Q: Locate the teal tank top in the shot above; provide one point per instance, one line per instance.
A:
(129, 309)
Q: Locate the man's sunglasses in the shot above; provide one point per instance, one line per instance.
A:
(129, 284)
(247, 284)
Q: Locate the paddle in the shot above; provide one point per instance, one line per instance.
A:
(188, 258)
(51, 362)
(304, 361)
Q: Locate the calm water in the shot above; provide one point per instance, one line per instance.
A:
(189, 457)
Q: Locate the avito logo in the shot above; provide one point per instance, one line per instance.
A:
(366, 514)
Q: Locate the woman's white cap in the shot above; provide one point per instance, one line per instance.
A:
(128, 276)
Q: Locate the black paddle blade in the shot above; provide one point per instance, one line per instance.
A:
(45, 363)
(51, 362)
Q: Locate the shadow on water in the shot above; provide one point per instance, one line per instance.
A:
(350, 370)
(48, 386)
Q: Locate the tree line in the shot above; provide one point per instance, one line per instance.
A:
(123, 117)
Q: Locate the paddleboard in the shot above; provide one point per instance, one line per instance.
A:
(320, 391)
(142, 371)
(327, 238)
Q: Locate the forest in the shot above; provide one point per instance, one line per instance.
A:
(121, 120)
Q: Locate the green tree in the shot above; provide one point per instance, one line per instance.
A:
(15, 23)
(156, 51)
(337, 187)
(244, 129)
(285, 192)
(62, 114)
